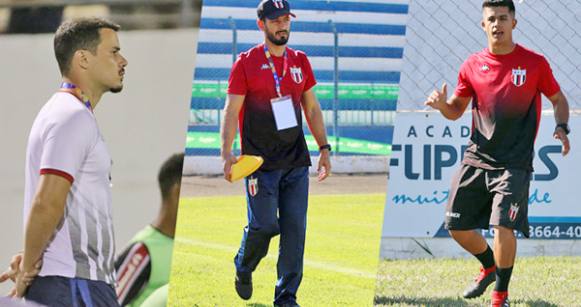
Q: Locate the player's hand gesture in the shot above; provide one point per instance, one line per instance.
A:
(437, 99)
(561, 135)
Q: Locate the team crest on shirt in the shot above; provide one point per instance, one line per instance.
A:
(296, 74)
(278, 4)
(513, 212)
(519, 76)
(253, 186)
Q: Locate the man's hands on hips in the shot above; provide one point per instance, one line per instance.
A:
(561, 135)
(13, 268)
(324, 167)
(228, 159)
(21, 279)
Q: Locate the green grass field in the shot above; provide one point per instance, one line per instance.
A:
(341, 254)
(539, 281)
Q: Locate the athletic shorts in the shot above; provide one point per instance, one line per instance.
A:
(479, 198)
(60, 291)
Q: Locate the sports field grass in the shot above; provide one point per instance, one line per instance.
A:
(538, 281)
(341, 253)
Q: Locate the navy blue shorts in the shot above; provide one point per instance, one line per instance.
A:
(74, 292)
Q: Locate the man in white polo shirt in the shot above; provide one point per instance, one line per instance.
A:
(67, 203)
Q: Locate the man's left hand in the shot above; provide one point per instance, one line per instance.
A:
(560, 134)
(21, 280)
(324, 167)
(20, 285)
(13, 268)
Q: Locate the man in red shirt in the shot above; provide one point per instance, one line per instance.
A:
(269, 87)
(504, 83)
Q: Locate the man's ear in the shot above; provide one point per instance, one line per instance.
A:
(260, 24)
(80, 58)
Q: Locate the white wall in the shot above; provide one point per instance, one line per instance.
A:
(142, 125)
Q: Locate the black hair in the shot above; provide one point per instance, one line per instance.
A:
(78, 34)
(170, 174)
(500, 3)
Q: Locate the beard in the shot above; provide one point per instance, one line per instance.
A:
(278, 41)
(116, 89)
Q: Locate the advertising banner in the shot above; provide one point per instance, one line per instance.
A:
(426, 153)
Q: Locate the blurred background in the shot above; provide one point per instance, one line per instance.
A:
(44, 16)
(142, 125)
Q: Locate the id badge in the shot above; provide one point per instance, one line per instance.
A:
(284, 113)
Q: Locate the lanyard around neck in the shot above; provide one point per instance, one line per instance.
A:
(75, 91)
(277, 78)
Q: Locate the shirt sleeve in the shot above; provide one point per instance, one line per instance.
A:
(133, 268)
(66, 143)
(548, 85)
(309, 76)
(237, 84)
(464, 87)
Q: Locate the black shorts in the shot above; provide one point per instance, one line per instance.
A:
(479, 198)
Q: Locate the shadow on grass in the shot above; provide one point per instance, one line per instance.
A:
(423, 301)
(534, 303)
(445, 301)
(257, 305)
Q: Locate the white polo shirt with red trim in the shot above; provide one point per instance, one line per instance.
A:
(65, 140)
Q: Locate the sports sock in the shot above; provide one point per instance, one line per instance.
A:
(486, 258)
(502, 279)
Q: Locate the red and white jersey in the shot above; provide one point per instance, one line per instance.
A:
(506, 106)
(65, 141)
(252, 77)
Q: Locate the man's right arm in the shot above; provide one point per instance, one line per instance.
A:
(228, 130)
(47, 210)
(452, 108)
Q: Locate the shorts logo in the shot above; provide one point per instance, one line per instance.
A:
(253, 186)
(453, 214)
(278, 4)
(296, 74)
(513, 212)
(264, 67)
(519, 76)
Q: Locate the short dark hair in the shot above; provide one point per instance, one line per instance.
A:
(170, 173)
(500, 3)
(78, 34)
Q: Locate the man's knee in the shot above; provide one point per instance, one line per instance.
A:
(503, 232)
(266, 230)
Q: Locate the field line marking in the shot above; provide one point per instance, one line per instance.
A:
(310, 263)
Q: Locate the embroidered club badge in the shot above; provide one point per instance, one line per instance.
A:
(519, 77)
(253, 186)
(278, 4)
(513, 212)
(296, 74)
